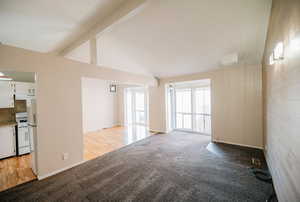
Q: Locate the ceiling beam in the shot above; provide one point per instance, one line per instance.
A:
(93, 51)
(128, 8)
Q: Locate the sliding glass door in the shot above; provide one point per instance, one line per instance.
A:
(192, 111)
(136, 106)
(202, 113)
(184, 109)
(140, 107)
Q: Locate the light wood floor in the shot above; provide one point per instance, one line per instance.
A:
(107, 140)
(15, 171)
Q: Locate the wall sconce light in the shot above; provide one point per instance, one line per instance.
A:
(112, 88)
(295, 43)
(279, 52)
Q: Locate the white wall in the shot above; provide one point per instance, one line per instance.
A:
(59, 106)
(236, 104)
(99, 106)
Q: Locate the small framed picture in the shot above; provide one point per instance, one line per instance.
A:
(113, 88)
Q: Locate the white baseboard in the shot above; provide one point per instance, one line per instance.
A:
(58, 171)
(99, 129)
(242, 145)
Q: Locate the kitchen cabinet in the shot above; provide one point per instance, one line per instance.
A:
(7, 141)
(31, 89)
(6, 94)
(24, 89)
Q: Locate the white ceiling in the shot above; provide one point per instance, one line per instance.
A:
(166, 38)
(173, 37)
(46, 25)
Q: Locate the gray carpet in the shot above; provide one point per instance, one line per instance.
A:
(172, 167)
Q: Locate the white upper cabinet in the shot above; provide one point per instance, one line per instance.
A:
(22, 90)
(31, 89)
(6, 94)
(25, 89)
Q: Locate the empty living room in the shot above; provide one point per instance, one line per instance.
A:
(150, 100)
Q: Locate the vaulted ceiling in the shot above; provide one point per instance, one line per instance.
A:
(165, 38)
(173, 37)
(47, 25)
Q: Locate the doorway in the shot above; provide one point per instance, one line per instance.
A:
(18, 128)
(189, 106)
(105, 126)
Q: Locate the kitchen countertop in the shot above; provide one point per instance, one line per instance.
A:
(8, 123)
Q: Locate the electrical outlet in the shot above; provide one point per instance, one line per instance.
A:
(256, 161)
(65, 156)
